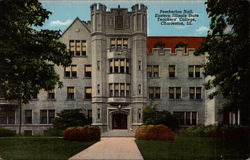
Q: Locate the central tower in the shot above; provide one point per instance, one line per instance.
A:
(119, 82)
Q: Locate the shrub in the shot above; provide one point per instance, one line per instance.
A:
(154, 132)
(70, 118)
(6, 132)
(86, 133)
(242, 132)
(153, 117)
(54, 132)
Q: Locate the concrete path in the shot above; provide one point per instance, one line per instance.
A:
(111, 149)
(118, 133)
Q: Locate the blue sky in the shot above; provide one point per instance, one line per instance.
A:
(65, 11)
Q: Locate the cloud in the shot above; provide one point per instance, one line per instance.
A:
(60, 23)
(201, 30)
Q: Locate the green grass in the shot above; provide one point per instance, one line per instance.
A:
(194, 148)
(39, 148)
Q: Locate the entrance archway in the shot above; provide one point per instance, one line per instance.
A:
(119, 121)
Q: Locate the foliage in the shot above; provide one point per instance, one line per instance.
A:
(154, 132)
(39, 148)
(86, 133)
(6, 132)
(225, 131)
(227, 45)
(70, 118)
(154, 117)
(27, 56)
(54, 132)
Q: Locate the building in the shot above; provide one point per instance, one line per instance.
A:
(116, 71)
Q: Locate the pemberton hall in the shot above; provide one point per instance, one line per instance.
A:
(116, 71)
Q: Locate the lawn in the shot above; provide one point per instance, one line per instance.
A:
(195, 148)
(39, 148)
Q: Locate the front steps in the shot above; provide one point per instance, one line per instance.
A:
(118, 133)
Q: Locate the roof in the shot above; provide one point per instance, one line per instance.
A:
(172, 42)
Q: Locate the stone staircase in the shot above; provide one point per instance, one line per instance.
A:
(118, 133)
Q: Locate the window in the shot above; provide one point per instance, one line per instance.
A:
(98, 113)
(47, 116)
(139, 89)
(194, 71)
(78, 47)
(167, 51)
(88, 70)
(70, 71)
(89, 113)
(98, 89)
(28, 116)
(98, 65)
(27, 132)
(127, 89)
(118, 66)
(153, 71)
(186, 118)
(70, 93)
(118, 90)
(154, 92)
(7, 117)
(119, 22)
(119, 43)
(43, 117)
(139, 113)
(195, 92)
(171, 70)
(88, 92)
(139, 65)
(174, 92)
(51, 94)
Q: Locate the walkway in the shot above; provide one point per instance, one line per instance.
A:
(118, 133)
(111, 149)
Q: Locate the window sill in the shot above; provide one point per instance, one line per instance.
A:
(80, 56)
(70, 99)
(70, 77)
(51, 99)
(153, 77)
(196, 99)
(155, 99)
(195, 78)
(87, 99)
(87, 77)
(172, 77)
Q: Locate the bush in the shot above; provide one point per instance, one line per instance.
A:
(154, 132)
(6, 132)
(218, 131)
(153, 117)
(54, 132)
(86, 133)
(70, 118)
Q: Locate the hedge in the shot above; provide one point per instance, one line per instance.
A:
(85, 133)
(154, 132)
(6, 132)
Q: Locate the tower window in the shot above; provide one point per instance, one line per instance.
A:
(171, 70)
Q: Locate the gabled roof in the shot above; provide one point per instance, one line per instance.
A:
(77, 19)
(172, 42)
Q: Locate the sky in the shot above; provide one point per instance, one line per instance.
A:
(165, 17)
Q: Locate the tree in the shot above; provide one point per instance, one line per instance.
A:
(28, 56)
(70, 118)
(227, 45)
(154, 117)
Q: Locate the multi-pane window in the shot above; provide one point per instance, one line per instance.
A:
(174, 92)
(89, 113)
(78, 47)
(195, 92)
(119, 43)
(70, 71)
(87, 71)
(28, 116)
(171, 70)
(119, 66)
(153, 71)
(190, 51)
(139, 65)
(70, 93)
(194, 71)
(51, 94)
(186, 118)
(154, 92)
(47, 116)
(88, 92)
(7, 117)
(119, 89)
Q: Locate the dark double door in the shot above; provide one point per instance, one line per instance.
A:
(119, 121)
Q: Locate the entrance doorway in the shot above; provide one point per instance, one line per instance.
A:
(119, 121)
